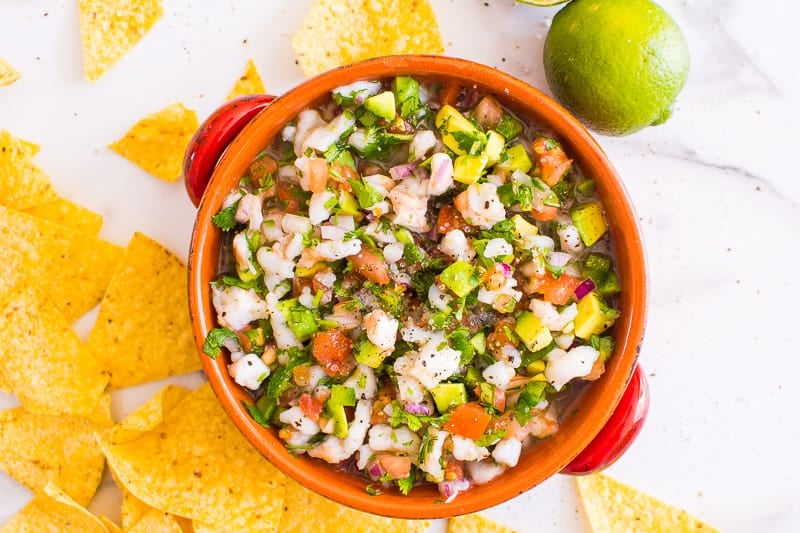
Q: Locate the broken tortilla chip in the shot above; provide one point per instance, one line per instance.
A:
(109, 29)
(62, 211)
(42, 360)
(143, 331)
(8, 74)
(149, 415)
(612, 506)
(195, 451)
(53, 512)
(249, 83)
(156, 520)
(475, 523)
(375, 28)
(303, 507)
(71, 267)
(39, 448)
(22, 184)
(157, 142)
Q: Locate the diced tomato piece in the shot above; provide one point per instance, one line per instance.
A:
(331, 349)
(340, 174)
(283, 190)
(449, 219)
(453, 469)
(449, 94)
(556, 291)
(317, 174)
(499, 399)
(545, 214)
(397, 466)
(261, 168)
(468, 420)
(370, 265)
(551, 160)
(311, 406)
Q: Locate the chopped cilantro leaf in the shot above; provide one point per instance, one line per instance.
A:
(226, 218)
(215, 339)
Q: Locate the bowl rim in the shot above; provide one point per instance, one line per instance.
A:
(597, 403)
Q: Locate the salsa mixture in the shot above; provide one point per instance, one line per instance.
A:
(413, 281)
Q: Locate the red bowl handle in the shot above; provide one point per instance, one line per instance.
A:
(213, 137)
(620, 430)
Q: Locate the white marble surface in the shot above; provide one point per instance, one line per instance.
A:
(716, 190)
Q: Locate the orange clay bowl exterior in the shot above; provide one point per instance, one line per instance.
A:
(578, 427)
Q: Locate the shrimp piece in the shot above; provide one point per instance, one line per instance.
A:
(237, 307)
(410, 204)
(381, 329)
(249, 210)
(480, 205)
(335, 449)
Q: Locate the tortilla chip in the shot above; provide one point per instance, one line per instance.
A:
(249, 83)
(475, 523)
(39, 448)
(157, 142)
(73, 268)
(42, 360)
(149, 415)
(8, 74)
(303, 507)
(612, 506)
(53, 512)
(109, 28)
(111, 527)
(197, 465)
(62, 211)
(143, 331)
(339, 32)
(22, 184)
(156, 520)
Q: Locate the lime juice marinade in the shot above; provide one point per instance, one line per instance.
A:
(413, 280)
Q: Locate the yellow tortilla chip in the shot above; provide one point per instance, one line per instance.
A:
(158, 142)
(109, 28)
(42, 360)
(143, 331)
(111, 527)
(22, 184)
(197, 465)
(8, 74)
(339, 32)
(475, 523)
(39, 448)
(71, 267)
(62, 211)
(149, 415)
(303, 507)
(249, 83)
(612, 506)
(156, 520)
(53, 512)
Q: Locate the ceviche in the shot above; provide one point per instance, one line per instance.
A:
(414, 283)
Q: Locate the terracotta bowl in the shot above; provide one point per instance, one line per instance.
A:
(585, 441)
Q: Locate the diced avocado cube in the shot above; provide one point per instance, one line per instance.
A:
(589, 221)
(533, 334)
(348, 205)
(609, 285)
(449, 120)
(536, 367)
(594, 316)
(366, 118)
(509, 127)
(340, 398)
(368, 354)
(406, 92)
(486, 393)
(597, 262)
(516, 158)
(300, 320)
(478, 341)
(605, 345)
(246, 275)
(469, 168)
(460, 278)
(522, 228)
(494, 147)
(472, 377)
(448, 395)
(382, 105)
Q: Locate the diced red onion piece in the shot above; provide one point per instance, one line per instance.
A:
(416, 408)
(401, 172)
(451, 488)
(559, 259)
(375, 470)
(506, 269)
(584, 288)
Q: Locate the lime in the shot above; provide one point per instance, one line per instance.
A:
(618, 65)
